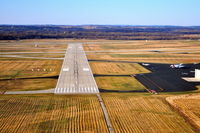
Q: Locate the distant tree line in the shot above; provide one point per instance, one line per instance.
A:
(15, 32)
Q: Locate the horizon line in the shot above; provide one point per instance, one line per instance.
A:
(96, 25)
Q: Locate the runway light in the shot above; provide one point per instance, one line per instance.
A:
(86, 69)
(65, 69)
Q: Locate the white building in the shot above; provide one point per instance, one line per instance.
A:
(197, 73)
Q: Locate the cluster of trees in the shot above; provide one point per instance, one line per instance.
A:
(14, 32)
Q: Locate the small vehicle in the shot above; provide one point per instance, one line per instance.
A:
(178, 66)
(145, 64)
(153, 92)
(195, 63)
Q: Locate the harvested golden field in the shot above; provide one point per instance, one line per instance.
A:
(16, 68)
(32, 46)
(117, 68)
(162, 51)
(189, 106)
(40, 45)
(24, 68)
(174, 51)
(50, 113)
(27, 84)
(149, 58)
(35, 55)
(144, 45)
(119, 83)
(92, 47)
(132, 113)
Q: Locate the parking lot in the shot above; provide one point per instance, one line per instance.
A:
(166, 79)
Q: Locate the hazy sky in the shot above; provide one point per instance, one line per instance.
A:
(76, 12)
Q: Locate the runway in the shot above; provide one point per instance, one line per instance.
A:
(76, 76)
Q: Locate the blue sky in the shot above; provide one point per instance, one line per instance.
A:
(114, 12)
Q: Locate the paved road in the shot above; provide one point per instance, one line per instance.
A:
(19, 56)
(30, 92)
(24, 48)
(8, 53)
(76, 75)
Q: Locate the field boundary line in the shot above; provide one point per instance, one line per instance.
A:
(183, 113)
(105, 112)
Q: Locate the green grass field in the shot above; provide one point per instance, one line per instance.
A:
(119, 83)
(27, 84)
(108, 68)
(26, 68)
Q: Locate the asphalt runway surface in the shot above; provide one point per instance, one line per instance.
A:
(30, 92)
(76, 75)
(28, 57)
(11, 53)
(166, 79)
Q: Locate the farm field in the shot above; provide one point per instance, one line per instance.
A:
(28, 74)
(77, 113)
(37, 45)
(32, 46)
(136, 111)
(27, 84)
(119, 83)
(143, 113)
(151, 58)
(107, 68)
(163, 45)
(25, 74)
(35, 55)
(174, 51)
(51, 113)
(27, 68)
(189, 106)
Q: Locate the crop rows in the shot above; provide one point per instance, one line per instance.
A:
(45, 113)
(142, 114)
(189, 106)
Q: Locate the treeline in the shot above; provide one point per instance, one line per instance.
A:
(15, 32)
